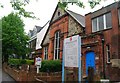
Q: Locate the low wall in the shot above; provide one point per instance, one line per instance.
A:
(31, 75)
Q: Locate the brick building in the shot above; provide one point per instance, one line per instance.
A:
(102, 42)
(100, 33)
(62, 25)
(33, 38)
(36, 36)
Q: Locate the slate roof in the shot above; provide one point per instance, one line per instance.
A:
(39, 28)
(79, 18)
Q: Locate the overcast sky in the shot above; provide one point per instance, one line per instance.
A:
(44, 9)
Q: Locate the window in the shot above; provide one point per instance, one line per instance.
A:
(94, 25)
(57, 45)
(58, 13)
(46, 53)
(102, 22)
(108, 20)
(119, 15)
(108, 53)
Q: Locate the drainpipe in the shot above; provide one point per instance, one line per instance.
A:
(103, 40)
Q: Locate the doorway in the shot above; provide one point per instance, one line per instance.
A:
(90, 61)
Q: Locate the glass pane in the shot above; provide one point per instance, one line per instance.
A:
(55, 53)
(59, 43)
(56, 43)
(100, 23)
(56, 34)
(58, 54)
(94, 25)
(108, 20)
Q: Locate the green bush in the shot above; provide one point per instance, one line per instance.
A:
(14, 62)
(18, 62)
(22, 61)
(30, 62)
(51, 66)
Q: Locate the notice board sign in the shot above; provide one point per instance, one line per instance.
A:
(71, 51)
(72, 55)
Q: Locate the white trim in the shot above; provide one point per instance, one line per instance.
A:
(119, 15)
(104, 19)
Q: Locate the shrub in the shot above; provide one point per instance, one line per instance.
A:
(14, 62)
(51, 66)
(29, 62)
(22, 61)
(18, 62)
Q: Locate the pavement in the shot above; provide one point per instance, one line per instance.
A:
(6, 78)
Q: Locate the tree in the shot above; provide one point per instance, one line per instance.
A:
(19, 5)
(14, 40)
(63, 3)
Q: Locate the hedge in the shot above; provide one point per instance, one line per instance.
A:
(47, 65)
(30, 62)
(18, 62)
(51, 66)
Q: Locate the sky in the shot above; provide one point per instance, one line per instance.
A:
(44, 10)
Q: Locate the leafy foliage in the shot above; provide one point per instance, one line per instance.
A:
(18, 62)
(92, 3)
(51, 66)
(1, 5)
(14, 40)
(14, 62)
(19, 5)
(29, 62)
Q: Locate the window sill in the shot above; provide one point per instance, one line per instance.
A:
(108, 62)
(102, 30)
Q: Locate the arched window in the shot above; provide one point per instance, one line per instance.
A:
(57, 45)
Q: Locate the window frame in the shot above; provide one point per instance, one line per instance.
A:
(57, 46)
(46, 53)
(104, 22)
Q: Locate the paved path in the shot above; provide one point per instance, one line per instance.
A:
(6, 78)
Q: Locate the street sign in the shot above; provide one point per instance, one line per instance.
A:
(72, 54)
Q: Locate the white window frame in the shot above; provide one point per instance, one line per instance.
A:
(58, 45)
(46, 53)
(119, 15)
(104, 21)
(108, 53)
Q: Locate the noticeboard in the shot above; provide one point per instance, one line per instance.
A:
(71, 51)
(72, 55)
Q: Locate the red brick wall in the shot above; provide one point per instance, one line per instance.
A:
(61, 25)
(94, 42)
(111, 37)
(88, 24)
